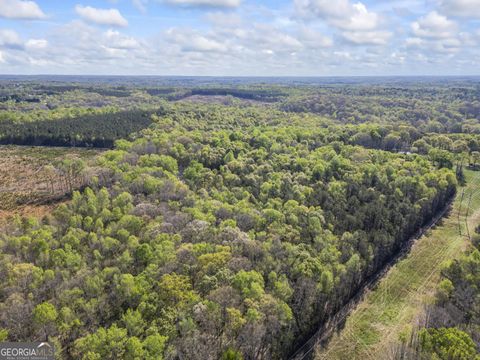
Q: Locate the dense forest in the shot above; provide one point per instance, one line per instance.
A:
(92, 130)
(231, 232)
(428, 108)
(216, 241)
(405, 111)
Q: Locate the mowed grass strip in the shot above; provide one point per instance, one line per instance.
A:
(399, 299)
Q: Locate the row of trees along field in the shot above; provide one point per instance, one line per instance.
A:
(452, 328)
(227, 233)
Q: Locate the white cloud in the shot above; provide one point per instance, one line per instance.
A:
(397, 58)
(77, 44)
(367, 37)
(414, 42)
(268, 37)
(449, 46)
(342, 37)
(116, 40)
(210, 3)
(201, 43)
(323, 8)
(435, 36)
(428, 45)
(224, 20)
(357, 24)
(141, 5)
(36, 44)
(358, 19)
(435, 26)
(110, 17)
(10, 39)
(314, 39)
(343, 54)
(193, 41)
(244, 43)
(462, 8)
(18, 9)
(341, 14)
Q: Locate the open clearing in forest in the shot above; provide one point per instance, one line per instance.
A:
(25, 185)
(397, 303)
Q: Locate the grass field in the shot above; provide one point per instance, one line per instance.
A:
(398, 301)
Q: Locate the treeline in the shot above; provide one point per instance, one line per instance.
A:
(91, 130)
(117, 92)
(19, 98)
(227, 233)
(262, 94)
(441, 110)
(452, 326)
(445, 150)
(159, 91)
(54, 89)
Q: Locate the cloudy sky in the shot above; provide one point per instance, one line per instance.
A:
(240, 37)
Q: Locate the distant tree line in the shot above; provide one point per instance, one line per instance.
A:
(428, 109)
(117, 92)
(264, 95)
(19, 98)
(96, 130)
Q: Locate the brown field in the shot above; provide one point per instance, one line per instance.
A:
(27, 186)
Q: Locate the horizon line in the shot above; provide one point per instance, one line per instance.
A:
(243, 76)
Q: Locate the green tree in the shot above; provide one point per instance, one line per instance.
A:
(448, 344)
(44, 316)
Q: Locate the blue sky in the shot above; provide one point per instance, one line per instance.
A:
(240, 37)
